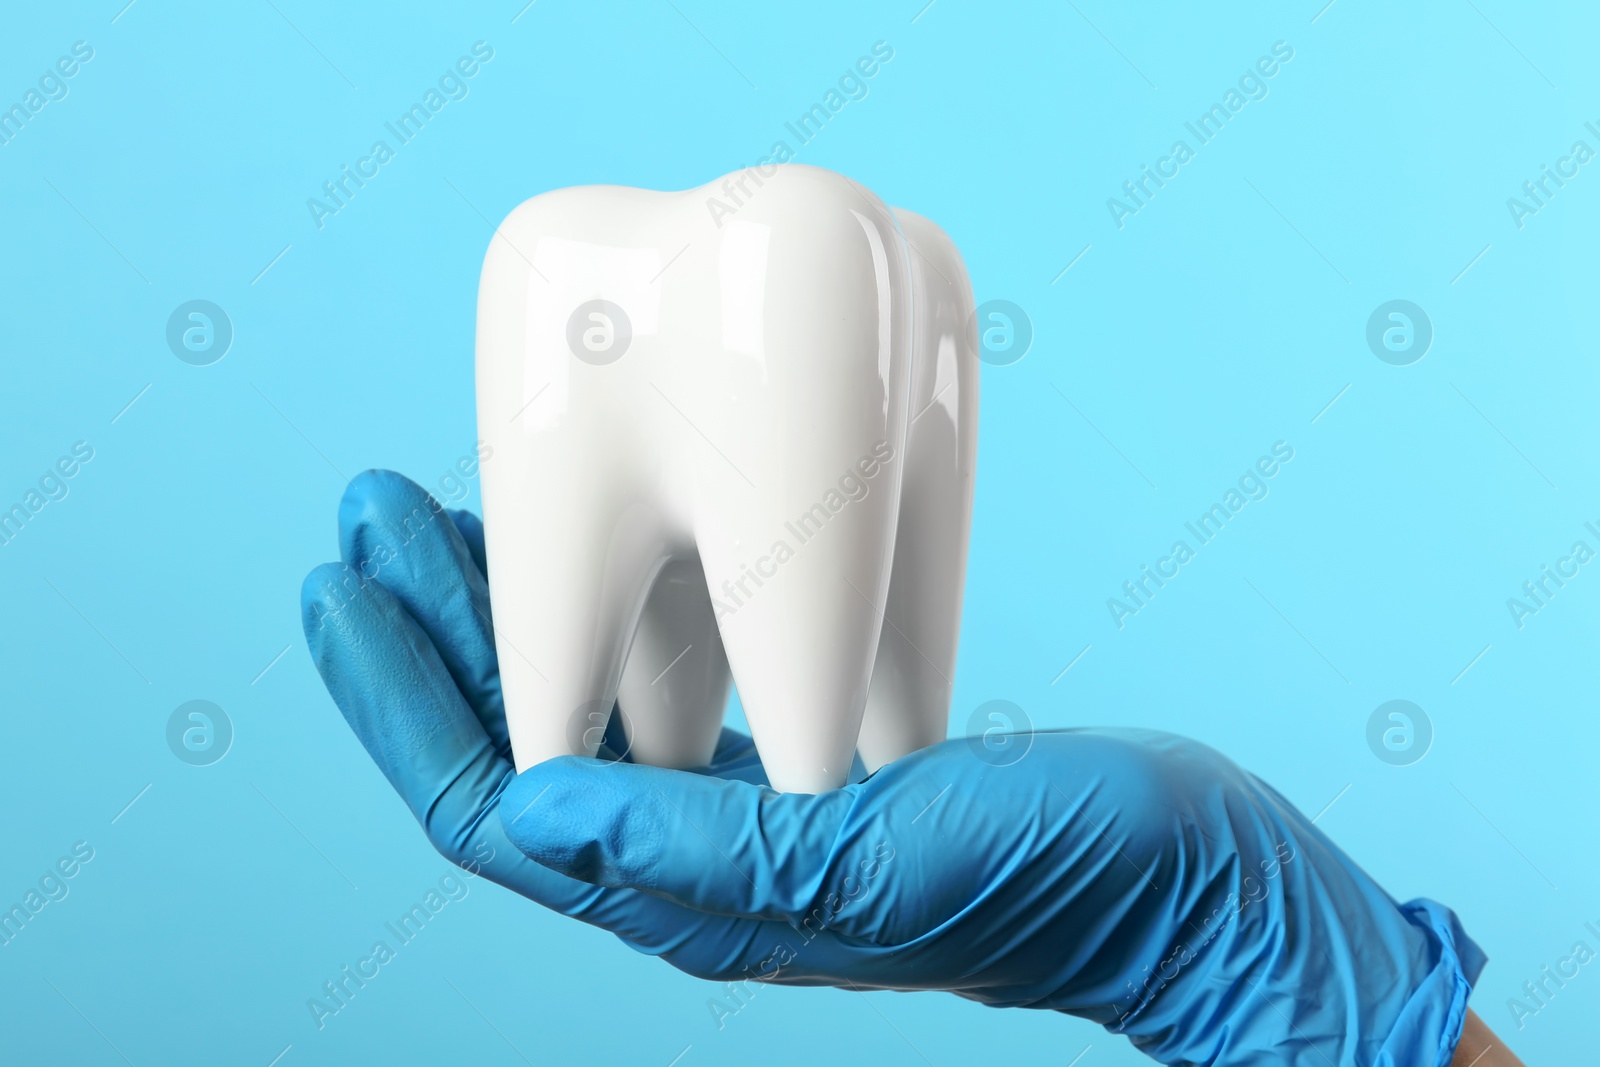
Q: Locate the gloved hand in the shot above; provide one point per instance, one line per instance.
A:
(1130, 877)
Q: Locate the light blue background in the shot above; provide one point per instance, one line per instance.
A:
(1224, 317)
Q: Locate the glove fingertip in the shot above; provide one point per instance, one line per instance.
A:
(324, 593)
(385, 500)
(374, 485)
(586, 819)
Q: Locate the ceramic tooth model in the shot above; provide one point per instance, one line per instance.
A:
(727, 441)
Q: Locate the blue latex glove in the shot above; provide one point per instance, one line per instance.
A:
(1134, 878)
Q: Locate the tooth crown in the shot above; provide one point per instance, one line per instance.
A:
(700, 437)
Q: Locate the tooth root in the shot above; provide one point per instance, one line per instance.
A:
(580, 590)
(572, 557)
(909, 704)
(675, 684)
(801, 644)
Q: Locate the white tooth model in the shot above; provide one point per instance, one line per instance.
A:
(732, 426)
